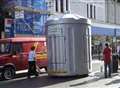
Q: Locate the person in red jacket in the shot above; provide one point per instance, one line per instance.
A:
(107, 54)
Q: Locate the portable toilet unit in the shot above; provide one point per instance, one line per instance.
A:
(69, 45)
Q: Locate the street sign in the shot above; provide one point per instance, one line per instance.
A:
(9, 31)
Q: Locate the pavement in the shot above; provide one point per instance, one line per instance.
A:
(94, 80)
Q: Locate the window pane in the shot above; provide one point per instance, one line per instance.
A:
(91, 11)
(66, 5)
(5, 48)
(16, 48)
(62, 6)
(56, 7)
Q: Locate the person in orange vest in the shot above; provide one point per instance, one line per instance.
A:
(107, 56)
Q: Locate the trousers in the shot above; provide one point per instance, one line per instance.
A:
(32, 69)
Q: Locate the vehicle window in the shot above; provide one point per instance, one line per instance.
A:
(16, 48)
(27, 46)
(41, 47)
(5, 48)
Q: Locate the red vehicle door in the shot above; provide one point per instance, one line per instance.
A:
(20, 58)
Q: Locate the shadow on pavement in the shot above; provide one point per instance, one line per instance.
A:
(35, 82)
(115, 81)
(86, 82)
(97, 76)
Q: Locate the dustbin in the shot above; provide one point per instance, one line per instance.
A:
(114, 63)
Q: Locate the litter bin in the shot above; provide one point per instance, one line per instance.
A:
(114, 63)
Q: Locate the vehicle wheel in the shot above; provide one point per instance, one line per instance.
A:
(8, 73)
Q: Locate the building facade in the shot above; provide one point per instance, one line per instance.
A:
(104, 15)
(25, 17)
(92, 9)
(58, 6)
(32, 14)
(113, 11)
(105, 11)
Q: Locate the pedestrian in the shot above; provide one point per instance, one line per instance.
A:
(107, 56)
(32, 62)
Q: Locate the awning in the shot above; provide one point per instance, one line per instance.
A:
(103, 31)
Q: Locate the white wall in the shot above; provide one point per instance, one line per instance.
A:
(100, 13)
(80, 7)
(112, 12)
(118, 13)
